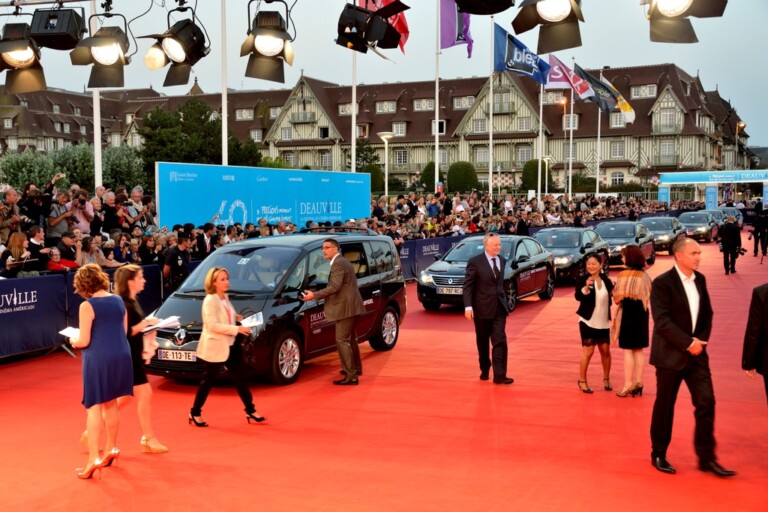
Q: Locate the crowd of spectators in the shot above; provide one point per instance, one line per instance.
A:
(56, 229)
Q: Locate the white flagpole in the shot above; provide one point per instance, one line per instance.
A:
(353, 165)
(540, 152)
(437, 97)
(490, 128)
(570, 150)
(599, 148)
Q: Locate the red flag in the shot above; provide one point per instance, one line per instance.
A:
(397, 21)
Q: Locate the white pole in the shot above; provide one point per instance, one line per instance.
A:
(98, 173)
(569, 120)
(353, 166)
(546, 178)
(490, 128)
(437, 97)
(386, 167)
(599, 148)
(540, 152)
(224, 92)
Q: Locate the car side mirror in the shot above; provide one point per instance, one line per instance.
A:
(587, 246)
(637, 238)
(522, 259)
(312, 283)
(438, 256)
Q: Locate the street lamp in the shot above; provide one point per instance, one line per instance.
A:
(547, 160)
(385, 136)
(564, 103)
(739, 126)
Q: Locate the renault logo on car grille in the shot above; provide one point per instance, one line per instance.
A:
(450, 280)
(180, 335)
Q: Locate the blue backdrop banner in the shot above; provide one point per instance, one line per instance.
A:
(32, 312)
(225, 194)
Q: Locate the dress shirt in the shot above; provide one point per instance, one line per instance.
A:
(689, 285)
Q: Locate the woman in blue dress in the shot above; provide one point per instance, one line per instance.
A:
(107, 367)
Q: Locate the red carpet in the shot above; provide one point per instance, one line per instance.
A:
(420, 433)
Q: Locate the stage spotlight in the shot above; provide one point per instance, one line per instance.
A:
(559, 20)
(20, 55)
(183, 45)
(106, 50)
(484, 6)
(59, 29)
(360, 29)
(669, 21)
(269, 44)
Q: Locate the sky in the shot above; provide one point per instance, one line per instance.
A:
(729, 55)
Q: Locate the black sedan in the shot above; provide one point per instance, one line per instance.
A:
(621, 233)
(571, 247)
(666, 231)
(700, 225)
(529, 270)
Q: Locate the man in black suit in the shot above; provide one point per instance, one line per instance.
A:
(522, 224)
(486, 305)
(760, 231)
(682, 317)
(203, 242)
(754, 357)
(730, 241)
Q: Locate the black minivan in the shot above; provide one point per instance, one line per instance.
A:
(267, 275)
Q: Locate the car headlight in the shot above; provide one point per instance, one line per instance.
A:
(617, 248)
(663, 238)
(562, 261)
(702, 229)
(425, 277)
(255, 322)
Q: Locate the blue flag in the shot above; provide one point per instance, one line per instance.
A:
(509, 54)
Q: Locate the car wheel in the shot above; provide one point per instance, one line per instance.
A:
(431, 305)
(652, 259)
(388, 331)
(286, 359)
(549, 287)
(511, 295)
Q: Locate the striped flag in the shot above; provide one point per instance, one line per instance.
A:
(454, 26)
(624, 106)
(561, 77)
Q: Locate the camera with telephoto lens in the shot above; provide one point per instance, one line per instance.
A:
(742, 251)
(749, 236)
(81, 201)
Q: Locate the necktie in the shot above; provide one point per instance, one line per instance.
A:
(495, 268)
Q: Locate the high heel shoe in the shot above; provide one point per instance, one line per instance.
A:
(637, 389)
(607, 384)
(200, 423)
(584, 389)
(250, 416)
(90, 469)
(156, 447)
(626, 391)
(111, 456)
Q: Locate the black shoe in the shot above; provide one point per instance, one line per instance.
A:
(344, 372)
(346, 382)
(733, 271)
(713, 467)
(503, 380)
(483, 375)
(726, 272)
(663, 465)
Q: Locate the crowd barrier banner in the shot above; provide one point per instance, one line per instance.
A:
(32, 312)
(246, 194)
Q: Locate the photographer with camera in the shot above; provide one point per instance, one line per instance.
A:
(58, 220)
(82, 212)
(730, 241)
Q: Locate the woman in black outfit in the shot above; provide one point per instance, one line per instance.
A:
(593, 291)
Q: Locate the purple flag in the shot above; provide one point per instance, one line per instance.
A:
(454, 26)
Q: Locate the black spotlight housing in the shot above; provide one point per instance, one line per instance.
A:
(183, 45)
(484, 6)
(21, 57)
(359, 28)
(106, 50)
(59, 29)
(553, 35)
(268, 45)
(677, 28)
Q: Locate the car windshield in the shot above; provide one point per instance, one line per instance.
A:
(464, 250)
(251, 269)
(606, 230)
(658, 224)
(693, 218)
(558, 239)
(717, 214)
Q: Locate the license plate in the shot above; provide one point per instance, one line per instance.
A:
(445, 290)
(177, 355)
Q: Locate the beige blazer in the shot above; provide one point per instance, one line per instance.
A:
(218, 330)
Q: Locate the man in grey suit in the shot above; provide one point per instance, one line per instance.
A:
(485, 305)
(343, 304)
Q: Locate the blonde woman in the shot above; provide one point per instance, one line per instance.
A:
(633, 295)
(218, 346)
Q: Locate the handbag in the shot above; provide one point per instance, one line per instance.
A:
(616, 327)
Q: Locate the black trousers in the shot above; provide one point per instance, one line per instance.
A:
(493, 329)
(699, 381)
(760, 240)
(237, 370)
(729, 259)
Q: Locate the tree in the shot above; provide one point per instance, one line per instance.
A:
(377, 177)
(427, 176)
(531, 176)
(163, 141)
(277, 163)
(365, 154)
(462, 177)
(244, 153)
(122, 165)
(77, 163)
(17, 169)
